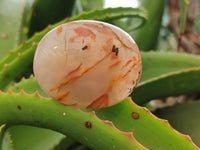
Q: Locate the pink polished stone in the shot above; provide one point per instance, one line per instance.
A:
(89, 63)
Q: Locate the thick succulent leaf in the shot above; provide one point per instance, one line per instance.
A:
(85, 127)
(146, 36)
(47, 12)
(19, 133)
(167, 74)
(29, 86)
(26, 137)
(184, 117)
(173, 84)
(40, 138)
(155, 64)
(5, 139)
(65, 144)
(149, 130)
(20, 142)
(142, 129)
(88, 5)
(21, 58)
(12, 17)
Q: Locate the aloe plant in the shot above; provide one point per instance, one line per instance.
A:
(30, 119)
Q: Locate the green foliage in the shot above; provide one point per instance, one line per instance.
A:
(88, 5)
(12, 19)
(167, 74)
(184, 117)
(172, 84)
(6, 142)
(83, 126)
(48, 12)
(31, 119)
(45, 138)
(29, 86)
(146, 125)
(146, 36)
(87, 127)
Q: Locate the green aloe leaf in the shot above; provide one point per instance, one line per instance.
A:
(45, 12)
(40, 138)
(29, 86)
(155, 64)
(5, 139)
(172, 84)
(120, 121)
(12, 18)
(26, 137)
(184, 117)
(149, 130)
(146, 36)
(50, 139)
(66, 143)
(21, 58)
(85, 127)
(88, 5)
(167, 74)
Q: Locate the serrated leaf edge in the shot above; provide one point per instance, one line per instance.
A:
(167, 123)
(128, 134)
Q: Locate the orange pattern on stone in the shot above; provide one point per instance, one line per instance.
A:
(115, 64)
(59, 30)
(61, 97)
(84, 32)
(128, 62)
(102, 101)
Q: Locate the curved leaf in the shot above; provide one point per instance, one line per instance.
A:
(5, 139)
(155, 64)
(12, 17)
(120, 114)
(149, 130)
(85, 127)
(29, 86)
(146, 36)
(167, 74)
(28, 137)
(19, 133)
(65, 144)
(172, 84)
(184, 117)
(47, 12)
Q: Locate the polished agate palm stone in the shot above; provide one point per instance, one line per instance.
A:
(87, 63)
